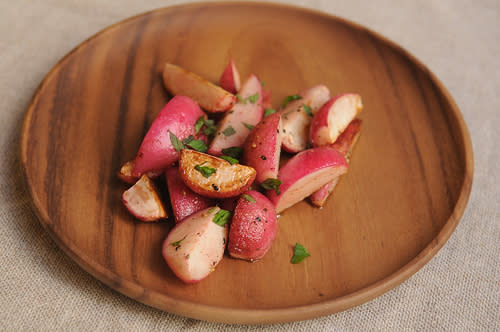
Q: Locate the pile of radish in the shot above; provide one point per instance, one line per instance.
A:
(224, 178)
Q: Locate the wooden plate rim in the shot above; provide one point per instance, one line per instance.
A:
(256, 316)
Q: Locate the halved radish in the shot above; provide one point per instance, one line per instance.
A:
(143, 201)
(212, 98)
(230, 78)
(333, 118)
(318, 198)
(297, 116)
(347, 140)
(305, 173)
(234, 128)
(195, 246)
(184, 201)
(344, 144)
(214, 177)
(263, 148)
(253, 227)
(156, 152)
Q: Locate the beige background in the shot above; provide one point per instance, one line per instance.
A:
(42, 289)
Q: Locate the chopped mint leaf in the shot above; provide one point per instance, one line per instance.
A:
(231, 160)
(205, 170)
(209, 130)
(249, 198)
(229, 131)
(177, 244)
(241, 99)
(199, 123)
(234, 152)
(249, 126)
(197, 145)
(253, 98)
(272, 184)
(289, 99)
(177, 144)
(188, 139)
(307, 109)
(222, 217)
(269, 111)
(299, 253)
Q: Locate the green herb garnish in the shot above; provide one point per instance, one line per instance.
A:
(229, 131)
(269, 111)
(234, 151)
(205, 170)
(177, 244)
(199, 123)
(272, 184)
(249, 198)
(188, 139)
(231, 160)
(307, 109)
(299, 253)
(289, 99)
(177, 144)
(249, 126)
(209, 131)
(241, 99)
(222, 217)
(253, 98)
(197, 145)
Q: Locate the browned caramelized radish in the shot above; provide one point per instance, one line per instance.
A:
(211, 97)
(214, 177)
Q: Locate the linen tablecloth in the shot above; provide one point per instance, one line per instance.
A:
(42, 289)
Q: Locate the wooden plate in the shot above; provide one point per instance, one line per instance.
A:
(406, 190)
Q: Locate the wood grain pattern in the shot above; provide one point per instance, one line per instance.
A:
(406, 190)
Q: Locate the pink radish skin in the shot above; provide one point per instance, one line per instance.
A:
(242, 113)
(333, 118)
(253, 227)
(267, 97)
(296, 121)
(344, 144)
(156, 152)
(212, 98)
(318, 198)
(263, 148)
(184, 201)
(305, 173)
(347, 140)
(143, 202)
(230, 78)
(195, 246)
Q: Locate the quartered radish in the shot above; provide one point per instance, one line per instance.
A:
(236, 125)
(180, 82)
(143, 201)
